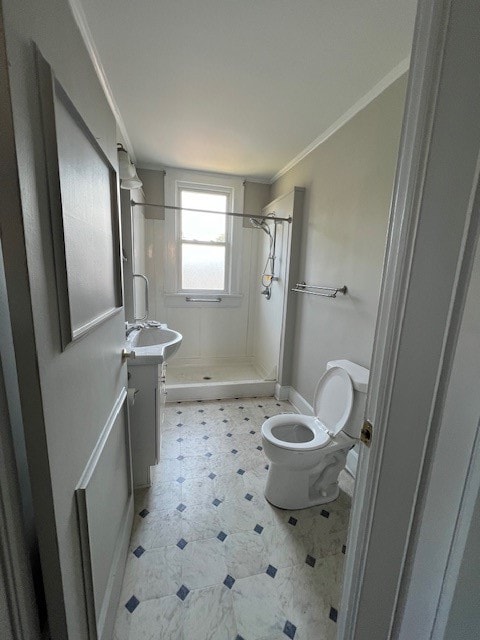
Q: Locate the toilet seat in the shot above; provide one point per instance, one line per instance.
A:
(332, 403)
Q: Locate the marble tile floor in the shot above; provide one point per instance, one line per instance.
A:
(209, 557)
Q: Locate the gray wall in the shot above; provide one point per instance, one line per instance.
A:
(66, 396)
(348, 181)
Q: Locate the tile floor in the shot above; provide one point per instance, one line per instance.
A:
(210, 558)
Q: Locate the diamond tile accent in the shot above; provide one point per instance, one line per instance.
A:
(252, 432)
(240, 407)
(267, 466)
(180, 479)
(208, 455)
(216, 502)
(258, 528)
(212, 476)
(225, 421)
(266, 417)
(344, 549)
(241, 472)
(205, 437)
(139, 551)
(271, 571)
(260, 448)
(181, 544)
(221, 536)
(247, 419)
(144, 513)
(234, 451)
(183, 592)
(180, 424)
(333, 614)
(229, 435)
(293, 521)
(132, 604)
(203, 422)
(180, 457)
(248, 496)
(289, 629)
(203, 410)
(278, 404)
(229, 581)
(260, 406)
(325, 513)
(221, 409)
(181, 507)
(179, 439)
(179, 412)
(310, 560)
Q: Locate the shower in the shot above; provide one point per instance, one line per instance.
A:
(267, 278)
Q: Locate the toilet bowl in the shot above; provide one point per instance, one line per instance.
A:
(307, 453)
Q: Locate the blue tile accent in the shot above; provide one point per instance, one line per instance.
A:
(180, 424)
(260, 448)
(221, 536)
(183, 592)
(181, 479)
(181, 507)
(205, 437)
(258, 528)
(181, 544)
(333, 614)
(252, 432)
(212, 476)
(241, 472)
(179, 439)
(248, 496)
(216, 502)
(180, 457)
(139, 551)
(293, 521)
(144, 513)
(208, 454)
(271, 571)
(324, 513)
(229, 581)
(310, 560)
(132, 604)
(229, 435)
(289, 629)
(234, 451)
(344, 549)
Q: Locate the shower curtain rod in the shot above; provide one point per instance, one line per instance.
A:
(225, 213)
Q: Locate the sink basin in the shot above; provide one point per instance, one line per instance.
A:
(153, 345)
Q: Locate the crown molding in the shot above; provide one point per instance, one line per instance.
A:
(374, 92)
(81, 20)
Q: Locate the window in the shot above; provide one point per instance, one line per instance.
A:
(203, 250)
(203, 240)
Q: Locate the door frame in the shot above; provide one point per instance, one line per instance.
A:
(426, 274)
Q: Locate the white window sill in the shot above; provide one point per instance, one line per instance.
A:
(199, 300)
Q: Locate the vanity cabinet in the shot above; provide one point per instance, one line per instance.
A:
(147, 415)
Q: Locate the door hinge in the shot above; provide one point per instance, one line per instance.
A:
(366, 433)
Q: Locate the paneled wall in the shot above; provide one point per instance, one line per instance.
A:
(348, 181)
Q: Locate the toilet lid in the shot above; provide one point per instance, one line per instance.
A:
(333, 399)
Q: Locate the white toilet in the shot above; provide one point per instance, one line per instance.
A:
(307, 453)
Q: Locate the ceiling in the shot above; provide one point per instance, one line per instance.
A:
(241, 86)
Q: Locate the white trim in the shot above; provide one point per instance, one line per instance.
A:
(82, 23)
(374, 92)
(218, 390)
(282, 393)
(299, 402)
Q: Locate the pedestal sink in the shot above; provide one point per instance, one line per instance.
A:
(153, 344)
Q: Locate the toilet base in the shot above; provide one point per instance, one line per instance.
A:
(290, 488)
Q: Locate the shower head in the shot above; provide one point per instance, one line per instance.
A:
(260, 224)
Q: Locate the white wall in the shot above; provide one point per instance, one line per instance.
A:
(348, 181)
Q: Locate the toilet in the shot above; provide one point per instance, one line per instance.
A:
(307, 453)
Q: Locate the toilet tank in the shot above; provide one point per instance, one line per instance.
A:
(359, 376)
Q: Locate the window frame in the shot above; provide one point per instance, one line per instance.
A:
(177, 180)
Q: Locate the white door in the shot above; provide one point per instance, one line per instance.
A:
(429, 256)
(59, 228)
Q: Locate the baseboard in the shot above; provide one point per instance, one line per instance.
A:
(299, 402)
(282, 393)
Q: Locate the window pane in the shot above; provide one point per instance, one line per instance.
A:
(203, 267)
(209, 227)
